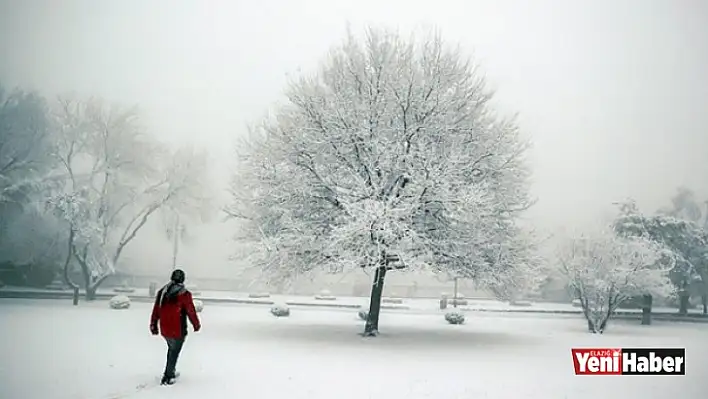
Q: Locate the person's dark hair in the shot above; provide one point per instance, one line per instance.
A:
(178, 276)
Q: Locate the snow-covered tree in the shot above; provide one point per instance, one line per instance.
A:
(388, 157)
(604, 269)
(684, 206)
(684, 237)
(26, 145)
(31, 241)
(118, 176)
(28, 237)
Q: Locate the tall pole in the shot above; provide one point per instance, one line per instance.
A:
(454, 298)
(175, 243)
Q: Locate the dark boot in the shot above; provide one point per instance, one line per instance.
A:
(174, 347)
(167, 381)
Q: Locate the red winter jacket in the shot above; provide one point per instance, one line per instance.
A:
(173, 305)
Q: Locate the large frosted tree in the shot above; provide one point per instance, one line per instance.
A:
(389, 156)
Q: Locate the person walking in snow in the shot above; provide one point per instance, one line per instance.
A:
(173, 306)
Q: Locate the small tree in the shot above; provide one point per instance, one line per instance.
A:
(603, 270)
(389, 158)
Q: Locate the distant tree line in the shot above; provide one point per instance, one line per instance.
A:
(635, 259)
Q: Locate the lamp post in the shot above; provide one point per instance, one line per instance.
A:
(177, 231)
(454, 297)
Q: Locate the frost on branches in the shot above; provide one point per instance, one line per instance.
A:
(603, 270)
(117, 178)
(25, 146)
(388, 157)
(686, 239)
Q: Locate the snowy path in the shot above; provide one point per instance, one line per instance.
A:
(51, 350)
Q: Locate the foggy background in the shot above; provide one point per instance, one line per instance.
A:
(612, 93)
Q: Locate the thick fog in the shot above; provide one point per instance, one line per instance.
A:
(612, 94)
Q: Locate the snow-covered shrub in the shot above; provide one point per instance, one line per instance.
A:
(280, 310)
(576, 303)
(257, 295)
(397, 301)
(457, 302)
(604, 270)
(119, 302)
(198, 305)
(325, 295)
(455, 317)
(363, 313)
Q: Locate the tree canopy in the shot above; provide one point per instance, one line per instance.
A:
(390, 151)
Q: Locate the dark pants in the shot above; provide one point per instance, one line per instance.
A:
(174, 347)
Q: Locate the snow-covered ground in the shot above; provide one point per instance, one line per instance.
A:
(51, 350)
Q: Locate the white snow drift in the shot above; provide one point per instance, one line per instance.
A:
(280, 310)
(119, 302)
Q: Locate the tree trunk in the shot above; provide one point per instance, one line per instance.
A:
(90, 285)
(91, 289)
(67, 263)
(86, 274)
(91, 293)
(589, 316)
(372, 321)
(603, 325)
(683, 302)
(646, 309)
(704, 301)
(684, 297)
(587, 313)
(175, 244)
(90, 296)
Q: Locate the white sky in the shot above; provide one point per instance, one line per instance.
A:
(613, 93)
